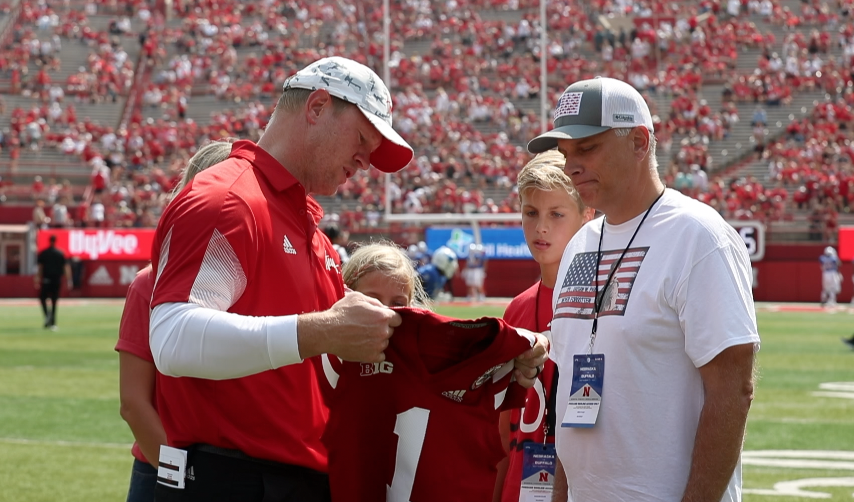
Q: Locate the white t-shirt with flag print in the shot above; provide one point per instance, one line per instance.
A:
(681, 295)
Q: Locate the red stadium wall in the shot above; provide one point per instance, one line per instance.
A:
(791, 273)
(16, 215)
(787, 273)
(99, 279)
(106, 279)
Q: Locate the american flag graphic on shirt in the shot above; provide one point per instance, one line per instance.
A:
(583, 283)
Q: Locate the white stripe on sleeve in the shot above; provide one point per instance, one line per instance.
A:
(221, 280)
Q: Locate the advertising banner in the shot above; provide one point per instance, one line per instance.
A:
(499, 243)
(101, 243)
(509, 243)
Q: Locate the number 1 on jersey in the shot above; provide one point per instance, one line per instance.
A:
(410, 427)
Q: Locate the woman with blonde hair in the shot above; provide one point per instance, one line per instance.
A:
(208, 155)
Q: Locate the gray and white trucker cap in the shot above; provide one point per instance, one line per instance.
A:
(590, 107)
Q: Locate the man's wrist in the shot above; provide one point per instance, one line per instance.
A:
(310, 329)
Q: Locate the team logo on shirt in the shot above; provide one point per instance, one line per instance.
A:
(584, 285)
(454, 395)
(486, 376)
(330, 264)
(289, 248)
(369, 369)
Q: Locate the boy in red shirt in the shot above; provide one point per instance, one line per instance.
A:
(552, 212)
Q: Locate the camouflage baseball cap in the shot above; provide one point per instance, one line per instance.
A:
(590, 107)
(356, 83)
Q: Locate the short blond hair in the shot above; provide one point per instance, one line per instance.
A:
(389, 259)
(208, 155)
(545, 172)
(294, 98)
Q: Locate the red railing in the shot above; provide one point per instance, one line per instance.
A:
(14, 18)
(134, 99)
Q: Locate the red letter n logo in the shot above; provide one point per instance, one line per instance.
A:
(544, 477)
(586, 392)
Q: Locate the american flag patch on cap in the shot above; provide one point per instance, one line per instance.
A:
(569, 104)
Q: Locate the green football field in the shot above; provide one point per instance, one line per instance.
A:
(61, 437)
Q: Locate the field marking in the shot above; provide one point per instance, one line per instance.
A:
(799, 463)
(801, 459)
(42, 442)
(795, 487)
(843, 390)
(844, 395)
(34, 302)
(840, 386)
(825, 454)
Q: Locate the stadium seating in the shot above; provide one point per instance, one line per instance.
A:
(143, 89)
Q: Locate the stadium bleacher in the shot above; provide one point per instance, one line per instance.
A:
(134, 90)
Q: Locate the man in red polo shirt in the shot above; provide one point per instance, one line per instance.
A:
(247, 291)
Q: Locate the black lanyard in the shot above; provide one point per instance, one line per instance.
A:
(597, 300)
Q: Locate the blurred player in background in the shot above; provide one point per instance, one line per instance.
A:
(475, 272)
(831, 279)
(552, 212)
(442, 267)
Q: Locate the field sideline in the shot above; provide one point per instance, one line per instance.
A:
(61, 437)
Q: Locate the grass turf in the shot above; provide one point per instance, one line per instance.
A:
(61, 437)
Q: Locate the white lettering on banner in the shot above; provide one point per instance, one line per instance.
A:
(101, 242)
(127, 273)
(512, 251)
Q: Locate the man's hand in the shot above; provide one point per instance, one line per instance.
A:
(356, 328)
(530, 363)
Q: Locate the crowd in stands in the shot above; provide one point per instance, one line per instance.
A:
(466, 88)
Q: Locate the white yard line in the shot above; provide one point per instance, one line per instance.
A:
(42, 442)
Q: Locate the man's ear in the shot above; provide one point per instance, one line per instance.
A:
(316, 104)
(587, 214)
(641, 141)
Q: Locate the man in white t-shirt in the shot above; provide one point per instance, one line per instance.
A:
(654, 330)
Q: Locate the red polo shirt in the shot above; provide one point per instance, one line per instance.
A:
(250, 223)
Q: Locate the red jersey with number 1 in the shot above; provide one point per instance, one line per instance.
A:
(422, 426)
